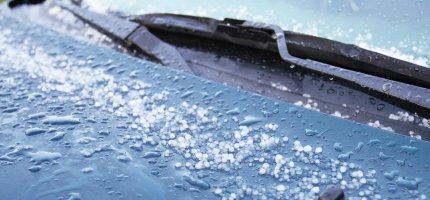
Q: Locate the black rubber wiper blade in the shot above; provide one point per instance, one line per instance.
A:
(299, 45)
(256, 35)
(406, 92)
(131, 34)
(380, 73)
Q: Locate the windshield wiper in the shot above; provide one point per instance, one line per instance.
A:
(263, 36)
(386, 75)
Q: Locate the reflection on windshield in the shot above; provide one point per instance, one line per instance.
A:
(396, 28)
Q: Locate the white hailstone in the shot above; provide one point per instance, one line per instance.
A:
(363, 181)
(171, 109)
(198, 165)
(280, 188)
(264, 168)
(237, 135)
(178, 165)
(232, 196)
(188, 136)
(166, 153)
(218, 191)
(124, 88)
(358, 174)
(315, 190)
(342, 169)
(343, 182)
(314, 180)
(271, 126)
(187, 155)
(318, 150)
(291, 164)
(206, 164)
(278, 158)
(307, 149)
(339, 176)
(248, 191)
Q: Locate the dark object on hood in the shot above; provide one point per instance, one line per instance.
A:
(332, 193)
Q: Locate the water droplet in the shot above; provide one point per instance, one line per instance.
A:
(408, 184)
(391, 175)
(151, 154)
(35, 168)
(345, 157)
(380, 106)
(61, 120)
(34, 131)
(233, 111)
(42, 156)
(37, 115)
(386, 87)
(250, 120)
(383, 156)
(58, 136)
(196, 182)
(309, 132)
(358, 147)
(409, 149)
(187, 94)
(338, 146)
(87, 170)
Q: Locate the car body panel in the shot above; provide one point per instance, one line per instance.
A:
(82, 121)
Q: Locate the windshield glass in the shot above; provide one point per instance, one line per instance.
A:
(396, 28)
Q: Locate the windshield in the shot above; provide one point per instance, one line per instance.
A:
(396, 28)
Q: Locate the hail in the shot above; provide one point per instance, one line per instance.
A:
(309, 104)
(191, 131)
(406, 117)
(377, 124)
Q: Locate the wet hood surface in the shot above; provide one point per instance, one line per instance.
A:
(83, 122)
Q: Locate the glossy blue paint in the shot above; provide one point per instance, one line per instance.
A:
(97, 157)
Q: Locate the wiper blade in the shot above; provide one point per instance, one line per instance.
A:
(132, 34)
(328, 57)
(386, 75)
(261, 36)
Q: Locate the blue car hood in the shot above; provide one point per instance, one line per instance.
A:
(79, 121)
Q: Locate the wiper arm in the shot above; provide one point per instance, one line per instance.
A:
(386, 75)
(406, 81)
(131, 34)
(262, 36)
